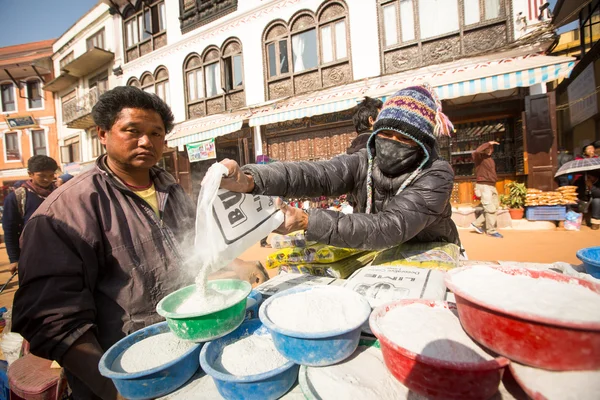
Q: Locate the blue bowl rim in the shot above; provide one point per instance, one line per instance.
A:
(247, 288)
(206, 367)
(109, 373)
(262, 314)
(586, 259)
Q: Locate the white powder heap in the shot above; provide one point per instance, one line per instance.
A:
(151, 352)
(318, 310)
(250, 355)
(209, 301)
(566, 301)
(431, 331)
(363, 376)
(561, 385)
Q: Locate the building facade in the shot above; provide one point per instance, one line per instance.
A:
(276, 80)
(27, 119)
(83, 60)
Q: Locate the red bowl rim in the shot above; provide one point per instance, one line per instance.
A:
(497, 363)
(533, 273)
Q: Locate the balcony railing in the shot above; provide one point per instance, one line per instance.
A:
(77, 112)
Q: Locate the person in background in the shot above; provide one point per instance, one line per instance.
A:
(597, 147)
(485, 189)
(588, 151)
(64, 178)
(399, 184)
(101, 253)
(563, 157)
(588, 191)
(20, 204)
(365, 115)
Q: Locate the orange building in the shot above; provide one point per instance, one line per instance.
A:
(27, 117)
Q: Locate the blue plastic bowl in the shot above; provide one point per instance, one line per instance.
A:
(252, 304)
(154, 382)
(315, 349)
(266, 386)
(591, 260)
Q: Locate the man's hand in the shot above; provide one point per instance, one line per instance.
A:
(236, 180)
(13, 267)
(295, 218)
(493, 142)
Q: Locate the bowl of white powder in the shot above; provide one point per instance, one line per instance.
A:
(201, 316)
(138, 363)
(246, 365)
(315, 326)
(535, 317)
(425, 348)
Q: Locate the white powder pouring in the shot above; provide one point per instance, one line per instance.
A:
(565, 301)
(209, 301)
(432, 332)
(319, 310)
(363, 376)
(151, 352)
(250, 355)
(559, 385)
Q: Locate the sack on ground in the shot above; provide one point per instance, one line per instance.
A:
(229, 223)
(380, 285)
(442, 256)
(313, 254)
(339, 269)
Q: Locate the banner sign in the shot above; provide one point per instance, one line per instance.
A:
(203, 150)
(21, 122)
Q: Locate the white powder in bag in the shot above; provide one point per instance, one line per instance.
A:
(362, 376)
(431, 331)
(318, 310)
(151, 352)
(559, 385)
(566, 301)
(250, 355)
(209, 301)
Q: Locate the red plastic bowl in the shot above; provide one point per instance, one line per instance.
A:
(526, 338)
(436, 379)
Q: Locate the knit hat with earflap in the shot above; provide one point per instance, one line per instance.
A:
(416, 113)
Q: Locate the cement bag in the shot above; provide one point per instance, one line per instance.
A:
(442, 256)
(380, 285)
(339, 269)
(313, 254)
(229, 223)
(294, 239)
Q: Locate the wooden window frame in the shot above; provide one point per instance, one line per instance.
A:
(36, 149)
(99, 37)
(8, 157)
(30, 98)
(14, 101)
(162, 81)
(97, 147)
(69, 146)
(135, 13)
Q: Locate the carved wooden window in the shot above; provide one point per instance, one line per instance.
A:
(476, 11)
(161, 84)
(147, 82)
(308, 53)
(133, 82)
(214, 81)
(196, 13)
(144, 28)
(96, 40)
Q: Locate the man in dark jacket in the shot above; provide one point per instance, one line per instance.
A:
(400, 186)
(588, 190)
(102, 251)
(20, 204)
(365, 115)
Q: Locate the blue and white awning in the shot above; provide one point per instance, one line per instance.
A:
(318, 109)
(198, 132)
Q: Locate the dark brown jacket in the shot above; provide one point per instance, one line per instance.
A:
(485, 167)
(97, 257)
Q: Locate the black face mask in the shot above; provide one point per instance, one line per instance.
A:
(394, 157)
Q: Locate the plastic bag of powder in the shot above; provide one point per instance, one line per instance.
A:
(229, 223)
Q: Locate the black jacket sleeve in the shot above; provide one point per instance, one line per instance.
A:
(406, 215)
(306, 179)
(54, 304)
(12, 224)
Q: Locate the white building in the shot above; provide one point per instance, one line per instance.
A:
(84, 58)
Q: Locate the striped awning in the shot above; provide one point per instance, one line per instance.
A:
(205, 128)
(318, 109)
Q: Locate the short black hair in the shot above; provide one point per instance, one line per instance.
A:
(110, 104)
(41, 163)
(369, 107)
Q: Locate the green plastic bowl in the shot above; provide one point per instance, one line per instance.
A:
(204, 327)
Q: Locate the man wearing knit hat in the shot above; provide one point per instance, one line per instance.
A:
(400, 186)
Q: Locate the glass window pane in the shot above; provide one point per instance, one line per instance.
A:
(438, 17)
(162, 17)
(492, 9)
(129, 29)
(191, 80)
(284, 67)
(149, 89)
(237, 71)
(213, 80)
(199, 84)
(326, 44)
(471, 12)
(228, 67)
(167, 93)
(340, 40)
(272, 60)
(407, 20)
(389, 24)
(304, 49)
(8, 99)
(160, 91)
